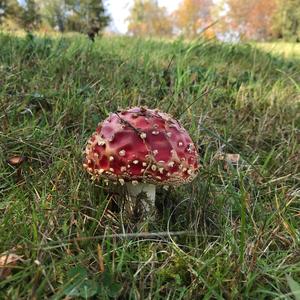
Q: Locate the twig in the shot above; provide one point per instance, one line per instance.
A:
(150, 235)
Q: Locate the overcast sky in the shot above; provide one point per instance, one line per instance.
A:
(119, 10)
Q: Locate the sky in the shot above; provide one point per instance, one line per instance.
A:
(119, 11)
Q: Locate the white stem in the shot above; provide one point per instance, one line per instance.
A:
(135, 193)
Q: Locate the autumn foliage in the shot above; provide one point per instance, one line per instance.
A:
(252, 19)
(148, 19)
(193, 17)
(245, 20)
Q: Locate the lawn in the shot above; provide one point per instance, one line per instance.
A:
(288, 50)
(238, 220)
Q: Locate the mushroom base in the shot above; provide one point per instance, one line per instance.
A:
(142, 199)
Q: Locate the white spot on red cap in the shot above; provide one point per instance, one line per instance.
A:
(100, 141)
(171, 164)
(122, 152)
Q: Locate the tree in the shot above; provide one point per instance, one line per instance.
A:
(252, 19)
(10, 9)
(31, 18)
(147, 18)
(54, 12)
(84, 14)
(193, 16)
(2, 10)
(286, 20)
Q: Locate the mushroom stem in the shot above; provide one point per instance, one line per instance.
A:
(142, 196)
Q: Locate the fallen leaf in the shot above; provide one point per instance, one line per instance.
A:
(8, 258)
(7, 262)
(16, 160)
(232, 158)
(229, 159)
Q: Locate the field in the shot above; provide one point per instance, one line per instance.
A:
(238, 221)
(287, 50)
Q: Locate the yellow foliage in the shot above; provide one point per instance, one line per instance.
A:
(193, 16)
(148, 19)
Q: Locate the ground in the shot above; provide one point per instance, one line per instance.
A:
(238, 222)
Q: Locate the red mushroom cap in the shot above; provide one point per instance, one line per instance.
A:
(142, 145)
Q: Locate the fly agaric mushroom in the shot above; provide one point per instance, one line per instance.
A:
(141, 148)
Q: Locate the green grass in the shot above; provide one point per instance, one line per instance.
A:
(288, 50)
(244, 221)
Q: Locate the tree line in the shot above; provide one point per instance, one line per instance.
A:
(242, 19)
(60, 15)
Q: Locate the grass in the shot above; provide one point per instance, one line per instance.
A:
(288, 50)
(241, 223)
